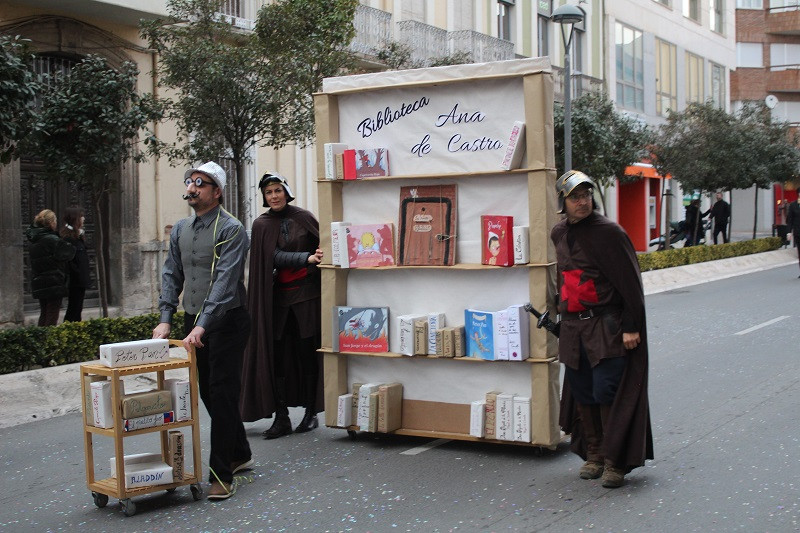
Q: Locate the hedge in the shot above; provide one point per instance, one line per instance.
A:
(701, 254)
(72, 342)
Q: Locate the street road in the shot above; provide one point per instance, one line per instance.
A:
(724, 395)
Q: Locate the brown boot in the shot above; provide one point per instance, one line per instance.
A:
(613, 477)
(593, 433)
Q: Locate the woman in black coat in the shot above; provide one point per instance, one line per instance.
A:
(79, 271)
(49, 254)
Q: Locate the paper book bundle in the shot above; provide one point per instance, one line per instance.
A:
(515, 147)
(134, 352)
(502, 335)
(360, 329)
(362, 245)
(144, 469)
(374, 407)
(140, 410)
(501, 416)
(428, 335)
(344, 163)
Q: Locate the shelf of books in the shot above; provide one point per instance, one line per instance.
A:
(436, 196)
(167, 409)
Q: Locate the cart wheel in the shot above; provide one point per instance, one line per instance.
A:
(352, 434)
(171, 490)
(197, 491)
(128, 507)
(538, 451)
(100, 500)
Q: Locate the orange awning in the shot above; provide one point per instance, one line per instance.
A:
(645, 170)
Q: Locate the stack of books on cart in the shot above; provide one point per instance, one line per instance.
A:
(373, 407)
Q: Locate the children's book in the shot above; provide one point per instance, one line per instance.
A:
(497, 240)
(372, 162)
(370, 245)
(361, 329)
(479, 332)
(515, 147)
(427, 232)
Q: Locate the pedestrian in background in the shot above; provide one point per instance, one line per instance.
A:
(694, 223)
(205, 262)
(282, 366)
(603, 338)
(79, 271)
(793, 222)
(49, 254)
(720, 213)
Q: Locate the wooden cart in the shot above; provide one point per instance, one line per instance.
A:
(115, 486)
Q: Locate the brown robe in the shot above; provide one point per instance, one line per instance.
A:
(602, 270)
(257, 398)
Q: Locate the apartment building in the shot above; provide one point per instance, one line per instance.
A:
(768, 70)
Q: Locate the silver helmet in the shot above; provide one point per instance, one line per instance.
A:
(567, 183)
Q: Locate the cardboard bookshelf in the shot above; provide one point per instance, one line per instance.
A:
(114, 487)
(440, 126)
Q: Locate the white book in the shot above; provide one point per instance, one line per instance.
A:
(344, 411)
(518, 333)
(522, 419)
(181, 398)
(331, 150)
(145, 474)
(132, 459)
(101, 404)
(515, 147)
(149, 421)
(477, 414)
(521, 245)
(500, 330)
(405, 333)
(134, 352)
(344, 255)
(504, 417)
(364, 401)
(336, 242)
(435, 321)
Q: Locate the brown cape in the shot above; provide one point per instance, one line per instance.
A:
(628, 439)
(257, 398)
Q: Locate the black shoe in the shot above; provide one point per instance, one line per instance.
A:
(308, 423)
(280, 427)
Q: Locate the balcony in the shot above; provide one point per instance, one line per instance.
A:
(481, 48)
(373, 30)
(425, 41)
(581, 84)
(783, 79)
(240, 14)
(784, 20)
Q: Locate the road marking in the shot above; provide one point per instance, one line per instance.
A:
(762, 325)
(425, 447)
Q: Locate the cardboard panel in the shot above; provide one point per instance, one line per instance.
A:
(436, 416)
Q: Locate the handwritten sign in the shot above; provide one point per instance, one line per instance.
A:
(134, 352)
(433, 129)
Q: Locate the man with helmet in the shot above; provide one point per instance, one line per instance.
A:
(603, 337)
(205, 262)
(282, 366)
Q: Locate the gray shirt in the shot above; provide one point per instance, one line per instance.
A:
(196, 244)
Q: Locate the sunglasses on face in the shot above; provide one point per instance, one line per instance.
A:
(198, 182)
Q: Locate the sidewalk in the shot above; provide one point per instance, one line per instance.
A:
(49, 392)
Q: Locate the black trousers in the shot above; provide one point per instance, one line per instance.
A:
(49, 310)
(74, 304)
(219, 369)
(796, 239)
(721, 228)
(598, 385)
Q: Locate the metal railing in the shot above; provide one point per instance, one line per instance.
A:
(581, 84)
(425, 41)
(481, 47)
(373, 30)
(240, 13)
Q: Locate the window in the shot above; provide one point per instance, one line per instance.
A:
(691, 9)
(630, 63)
(787, 112)
(715, 8)
(504, 12)
(694, 78)
(544, 36)
(777, 6)
(749, 55)
(665, 2)
(666, 77)
(783, 56)
(718, 85)
(749, 4)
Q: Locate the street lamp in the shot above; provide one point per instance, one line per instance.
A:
(567, 15)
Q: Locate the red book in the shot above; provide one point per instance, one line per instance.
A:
(349, 164)
(497, 240)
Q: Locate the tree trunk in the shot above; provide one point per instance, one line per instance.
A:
(242, 211)
(99, 248)
(755, 213)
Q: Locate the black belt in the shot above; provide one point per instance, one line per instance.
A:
(590, 313)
